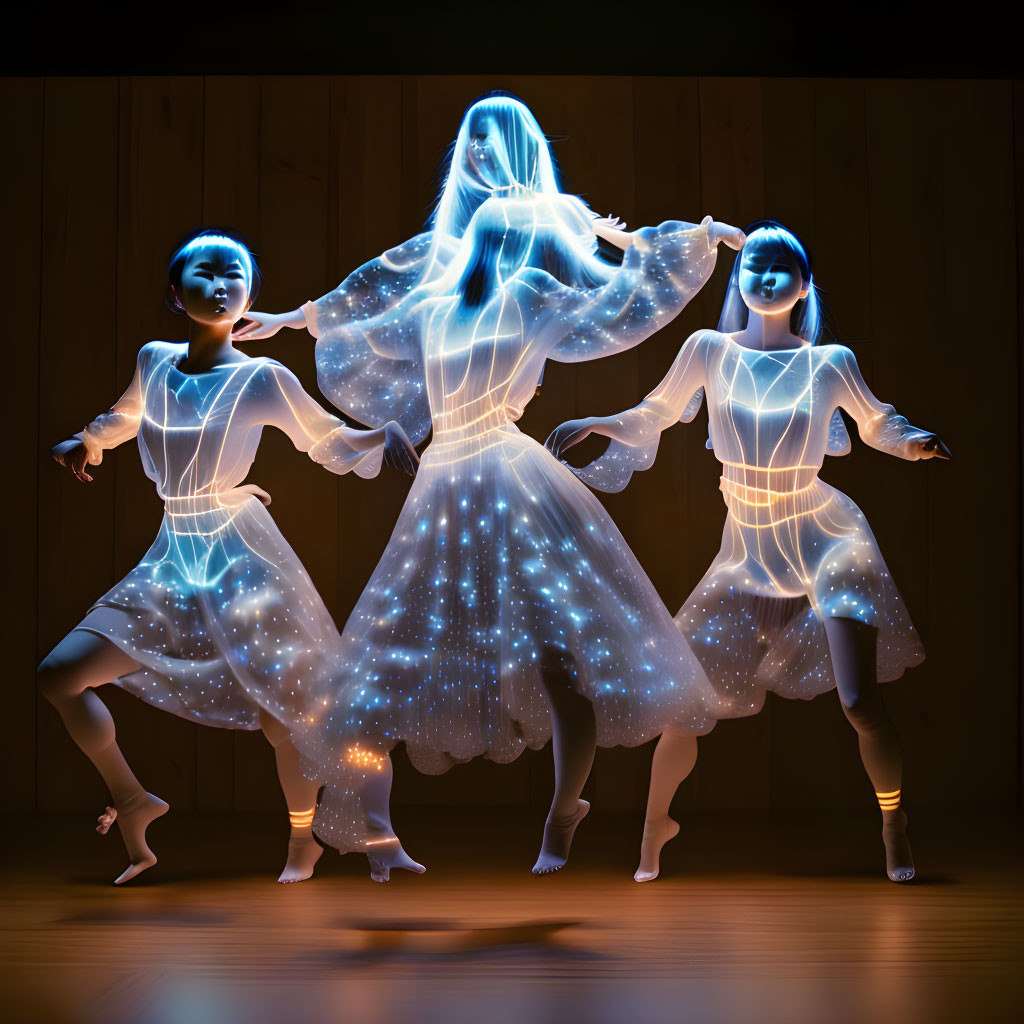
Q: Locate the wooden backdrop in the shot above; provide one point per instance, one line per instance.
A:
(908, 194)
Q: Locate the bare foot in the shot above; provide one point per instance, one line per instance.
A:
(554, 850)
(656, 835)
(384, 851)
(899, 862)
(133, 818)
(303, 853)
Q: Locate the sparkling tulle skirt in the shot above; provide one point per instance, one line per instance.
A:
(222, 618)
(755, 619)
(503, 570)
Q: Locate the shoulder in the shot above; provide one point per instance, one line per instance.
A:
(408, 254)
(260, 375)
(156, 349)
(155, 352)
(707, 339)
(838, 356)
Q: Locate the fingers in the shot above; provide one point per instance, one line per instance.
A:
(564, 437)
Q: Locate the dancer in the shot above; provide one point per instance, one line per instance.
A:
(507, 608)
(799, 599)
(500, 150)
(219, 623)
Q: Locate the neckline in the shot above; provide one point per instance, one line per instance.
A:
(203, 373)
(765, 351)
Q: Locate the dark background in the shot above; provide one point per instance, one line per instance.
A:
(908, 192)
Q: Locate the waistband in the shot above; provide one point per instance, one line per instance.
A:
(461, 424)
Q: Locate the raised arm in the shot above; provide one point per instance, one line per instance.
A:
(119, 424)
(337, 447)
(663, 268)
(879, 424)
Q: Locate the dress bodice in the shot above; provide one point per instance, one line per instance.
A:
(481, 367)
(198, 433)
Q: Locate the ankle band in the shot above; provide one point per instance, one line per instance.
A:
(889, 801)
(301, 819)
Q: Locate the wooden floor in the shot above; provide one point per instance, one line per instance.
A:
(756, 918)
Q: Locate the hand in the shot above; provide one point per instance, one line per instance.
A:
(570, 433)
(721, 232)
(933, 448)
(398, 450)
(611, 222)
(73, 455)
(259, 326)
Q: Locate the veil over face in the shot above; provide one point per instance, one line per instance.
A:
(499, 150)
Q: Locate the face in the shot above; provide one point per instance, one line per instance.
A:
(214, 285)
(482, 153)
(771, 282)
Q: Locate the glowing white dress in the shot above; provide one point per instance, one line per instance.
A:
(499, 552)
(794, 550)
(220, 613)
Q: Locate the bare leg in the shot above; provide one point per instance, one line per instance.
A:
(674, 758)
(384, 850)
(573, 743)
(852, 646)
(67, 676)
(300, 796)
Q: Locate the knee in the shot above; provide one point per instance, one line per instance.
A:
(275, 732)
(866, 716)
(54, 678)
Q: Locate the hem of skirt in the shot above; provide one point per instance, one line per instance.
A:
(124, 682)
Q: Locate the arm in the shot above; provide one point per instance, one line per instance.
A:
(108, 430)
(368, 291)
(664, 406)
(662, 269)
(879, 424)
(337, 447)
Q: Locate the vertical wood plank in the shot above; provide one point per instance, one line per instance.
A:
(1018, 176)
(925, 319)
(78, 329)
(22, 114)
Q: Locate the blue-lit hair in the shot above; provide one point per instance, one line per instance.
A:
(805, 319)
(215, 237)
(521, 159)
(504, 237)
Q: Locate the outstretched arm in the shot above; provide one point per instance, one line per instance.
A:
(879, 424)
(336, 446)
(370, 290)
(664, 406)
(108, 430)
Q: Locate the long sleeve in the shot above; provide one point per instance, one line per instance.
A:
(668, 402)
(339, 448)
(371, 289)
(635, 433)
(368, 354)
(879, 424)
(661, 271)
(121, 422)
